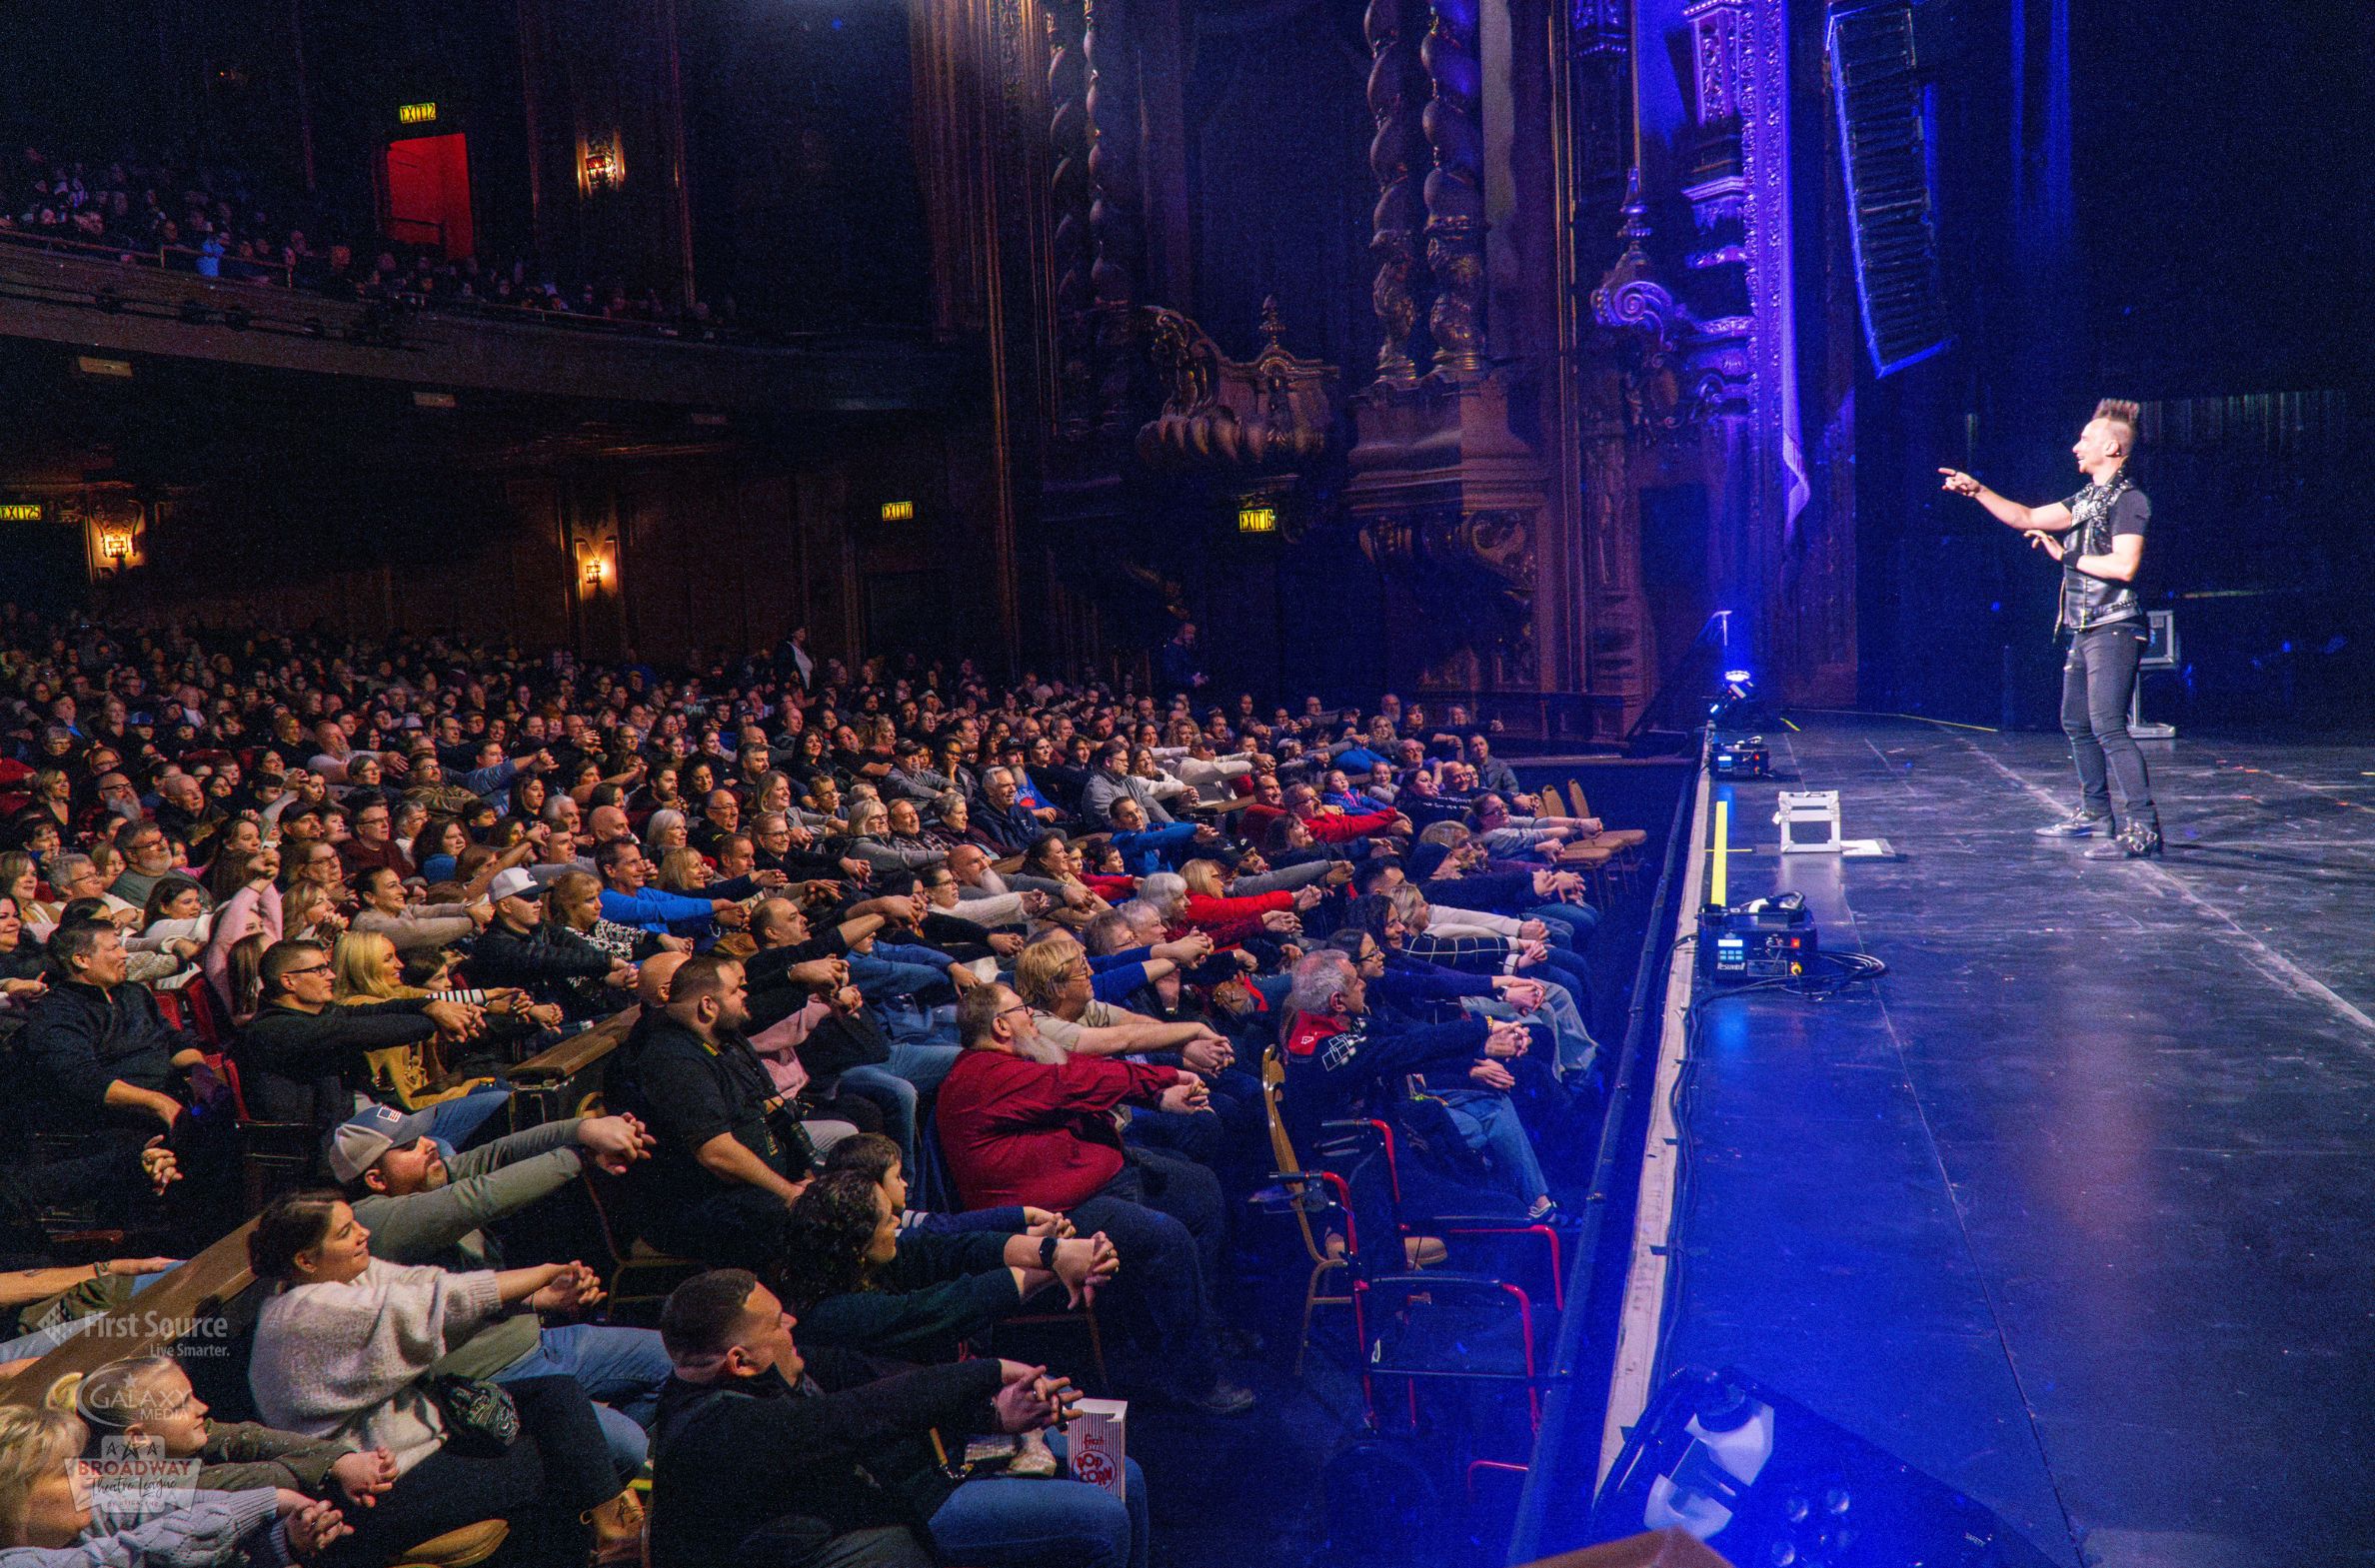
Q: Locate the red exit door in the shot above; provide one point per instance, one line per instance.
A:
(428, 193)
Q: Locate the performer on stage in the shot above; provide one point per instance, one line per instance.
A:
(2098, 537)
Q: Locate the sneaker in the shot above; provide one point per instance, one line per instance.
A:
(2078, 825)
(2136, 842)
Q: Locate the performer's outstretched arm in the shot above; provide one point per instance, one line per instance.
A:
(2052, 517)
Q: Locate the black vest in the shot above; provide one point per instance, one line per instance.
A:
(2090, 602)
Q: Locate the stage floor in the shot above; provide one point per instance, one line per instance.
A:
(2075, 1209)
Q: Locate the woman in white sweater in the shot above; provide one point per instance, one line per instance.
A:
(346, 1346)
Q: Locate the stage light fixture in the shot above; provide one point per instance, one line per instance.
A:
(1736, 706)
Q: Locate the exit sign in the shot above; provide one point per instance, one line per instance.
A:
(899, 512)
(20, 512)
(416, 114)
(1258, 520)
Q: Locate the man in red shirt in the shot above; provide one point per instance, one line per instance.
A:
(1024, 1122)
(374, 843)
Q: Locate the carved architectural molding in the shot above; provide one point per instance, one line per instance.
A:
(1397, 153)
(1676, 369)
(1273, 414)
(1455, 189)
(1071, 249)
(1113, 156)
(1739, 198)
(1473, 572)
(1116, 202)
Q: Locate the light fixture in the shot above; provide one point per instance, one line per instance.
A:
(600, 168)
(596, 570)
(115, 542)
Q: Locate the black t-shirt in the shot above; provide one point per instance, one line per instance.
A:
(687, 1091)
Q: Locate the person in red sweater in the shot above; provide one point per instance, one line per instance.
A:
(1022, 1121)
(374, 843)
(1229, 920)
(1331, 826)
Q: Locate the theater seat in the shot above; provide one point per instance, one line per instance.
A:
(464, 1548)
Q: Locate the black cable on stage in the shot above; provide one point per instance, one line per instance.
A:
(1843, 969)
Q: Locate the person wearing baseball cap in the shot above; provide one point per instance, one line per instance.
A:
(545, 957)
(425, 1207)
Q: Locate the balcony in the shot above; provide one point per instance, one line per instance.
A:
(104, 303)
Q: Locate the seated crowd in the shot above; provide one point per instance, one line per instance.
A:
(217, 220)
(938, 1004)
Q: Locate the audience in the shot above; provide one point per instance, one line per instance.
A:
(845, 927)
(217, 220)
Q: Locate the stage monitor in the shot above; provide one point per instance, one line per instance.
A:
(1762, 1479)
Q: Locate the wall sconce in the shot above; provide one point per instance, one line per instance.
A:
(113, 526)
(597, 566)
(600, 167)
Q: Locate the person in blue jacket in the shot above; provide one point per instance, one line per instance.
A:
(1147, 849)
(627, 901)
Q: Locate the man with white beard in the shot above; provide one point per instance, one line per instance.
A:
(1024, 1122)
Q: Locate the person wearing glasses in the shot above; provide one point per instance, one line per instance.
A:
(373, 844)
(300, 1059)
(147, 859)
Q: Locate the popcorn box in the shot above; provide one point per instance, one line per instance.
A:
(1095, 1440)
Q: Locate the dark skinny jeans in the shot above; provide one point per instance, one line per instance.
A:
(2098, 684)
(558, 1468)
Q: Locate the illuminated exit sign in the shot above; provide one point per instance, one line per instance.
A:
(1258, 520)
(20, 512)
(416, 114)
(899, 510)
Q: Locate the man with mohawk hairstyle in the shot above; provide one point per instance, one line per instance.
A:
(2098, 537)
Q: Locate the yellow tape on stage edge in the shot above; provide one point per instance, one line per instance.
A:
(1717, 875)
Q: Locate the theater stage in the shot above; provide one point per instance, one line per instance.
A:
(2075, 1208)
